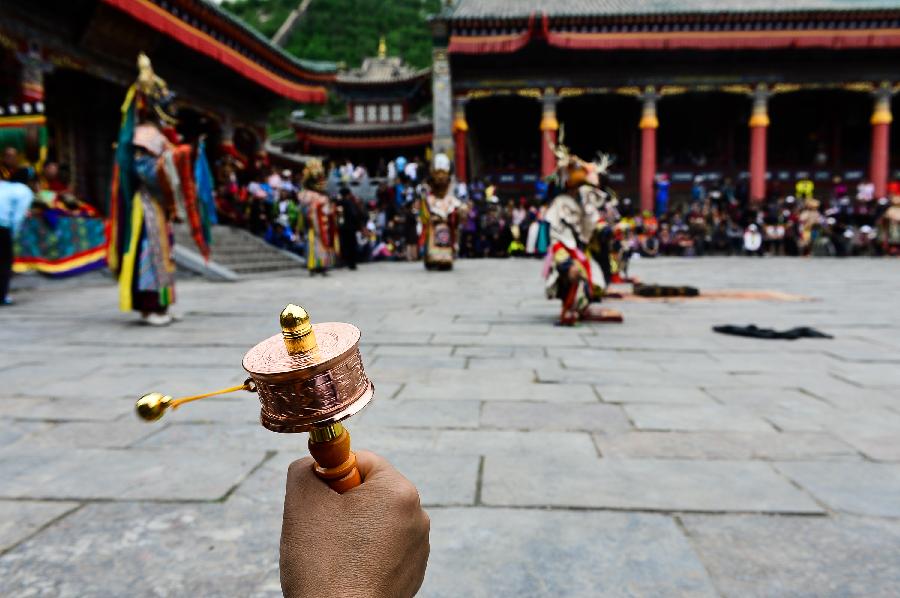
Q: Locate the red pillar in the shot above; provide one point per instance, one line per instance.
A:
(648, 125)
(759, 124)
(881, 132)
(460, 133)
(549, 129)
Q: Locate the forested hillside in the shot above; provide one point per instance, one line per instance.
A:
(346, 30)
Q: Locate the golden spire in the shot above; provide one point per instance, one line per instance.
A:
(382, 47)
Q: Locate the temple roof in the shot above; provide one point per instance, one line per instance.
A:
(204, 27)
(315, 66)
(342, 125)
(382, 69)
(520, 9)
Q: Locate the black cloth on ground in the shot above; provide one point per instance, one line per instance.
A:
(753, 331)
(658, 290)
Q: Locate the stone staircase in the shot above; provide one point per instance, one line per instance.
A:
(241, 252)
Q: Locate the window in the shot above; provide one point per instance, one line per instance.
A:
(384, 113)
(359, 113)
(372, 113)
(397, 113)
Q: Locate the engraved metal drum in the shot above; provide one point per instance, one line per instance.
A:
(314, 389)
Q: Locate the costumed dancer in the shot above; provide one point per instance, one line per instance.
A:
(319, 219)
(152, 186)
(438, 213)
(573, 217)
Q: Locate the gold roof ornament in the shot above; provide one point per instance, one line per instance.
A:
(382, 47)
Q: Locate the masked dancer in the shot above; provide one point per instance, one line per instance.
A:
(152, 187)
(319, 219)
(438, 213)
(574, 216)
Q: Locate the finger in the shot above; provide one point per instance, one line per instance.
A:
(303, 486)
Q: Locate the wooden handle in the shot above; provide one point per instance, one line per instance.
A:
(336, 463)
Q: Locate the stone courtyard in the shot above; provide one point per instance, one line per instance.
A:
(652, 458)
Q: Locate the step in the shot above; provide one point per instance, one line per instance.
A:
(242, 252)
(275, 268)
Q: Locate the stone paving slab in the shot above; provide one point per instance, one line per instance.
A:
(534, 553)
(875, 432)
(412, 361)
(141, 549)
(858, 488)
(499, 390)
(444, 480)
(695, 418)
(409, 375)
(14, 431)
(770, 446)
(82, 409)
(577, 445)
(592, 417)
(425, 414)
(239, 408)
(109, 474)
(412, 351)
(641, 484)
(516, 340)
(232, 437)
(508, 363)
(653, 394)
(871, 375)
(19, 519)
(116, 434)
(749, 555)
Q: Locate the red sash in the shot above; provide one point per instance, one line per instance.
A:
(577, 255)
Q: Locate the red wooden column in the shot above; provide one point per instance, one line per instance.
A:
(549, 130)
(759, 124)
(460, 134)
(648, 125)
(881, 132)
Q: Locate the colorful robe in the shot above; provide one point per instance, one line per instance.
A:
(150, 188)
(571, 226)
(319, 219)
(438, 215)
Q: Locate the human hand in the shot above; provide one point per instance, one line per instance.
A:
(370, 542)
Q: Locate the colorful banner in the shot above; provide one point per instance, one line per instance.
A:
(60, 245)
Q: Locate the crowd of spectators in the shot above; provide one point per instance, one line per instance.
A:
(714, 218)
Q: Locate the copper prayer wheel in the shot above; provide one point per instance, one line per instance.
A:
(311, 388)
(309, 378)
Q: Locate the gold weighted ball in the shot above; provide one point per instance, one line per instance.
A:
(152, 406)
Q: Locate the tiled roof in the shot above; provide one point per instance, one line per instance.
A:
(315, 66)
(382, 69)
(342, 125)
(483, 9)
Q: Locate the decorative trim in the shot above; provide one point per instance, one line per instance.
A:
(728, 40)
(152, 15)
(329, 141)
(22, 121)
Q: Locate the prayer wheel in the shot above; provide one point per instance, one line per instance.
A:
(309, 378)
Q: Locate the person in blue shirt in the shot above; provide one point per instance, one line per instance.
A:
(662, 194)
(15, 201)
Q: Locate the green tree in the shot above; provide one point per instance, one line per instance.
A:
(346, 30)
